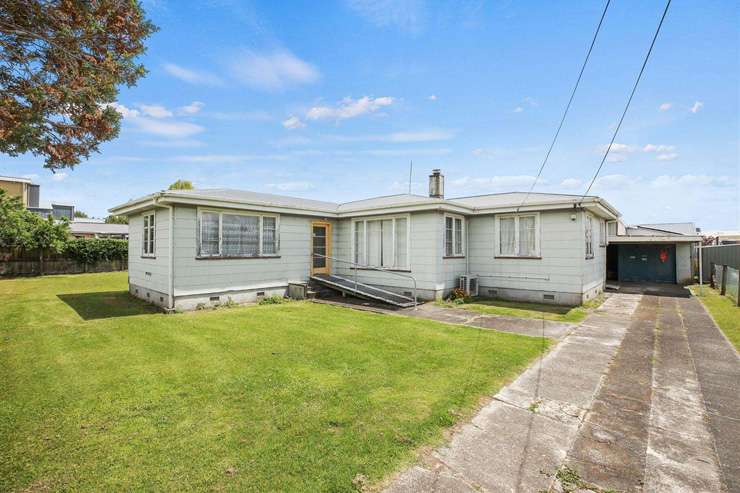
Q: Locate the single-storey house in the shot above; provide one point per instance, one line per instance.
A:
(661, 253)
(193, 247)
(97, 228)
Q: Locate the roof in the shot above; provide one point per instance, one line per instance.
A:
(651, 233)
(678, 228)
(223, 197)
(15, 179)
(82, 227)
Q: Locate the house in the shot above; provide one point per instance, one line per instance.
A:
(57, 211)
(191, 247)
(30, 195)
(97, 228)
(664, 253)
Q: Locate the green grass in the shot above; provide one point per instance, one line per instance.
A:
(558, 313)
(99, 393)
(724, 311)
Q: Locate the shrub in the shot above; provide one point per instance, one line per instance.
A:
(91, 251)
(273, 300)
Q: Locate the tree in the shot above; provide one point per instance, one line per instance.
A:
(61, 62)
(182, 185)
(21, 228)
(116, 219)
(81, 215)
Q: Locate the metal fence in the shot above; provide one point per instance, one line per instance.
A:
(719, 268)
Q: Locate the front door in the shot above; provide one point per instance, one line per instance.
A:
(320, 248)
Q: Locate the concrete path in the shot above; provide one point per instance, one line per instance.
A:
(642, 396)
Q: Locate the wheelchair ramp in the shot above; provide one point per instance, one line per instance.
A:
(348, 286)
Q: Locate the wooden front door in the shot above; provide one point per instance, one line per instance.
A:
(320, 248)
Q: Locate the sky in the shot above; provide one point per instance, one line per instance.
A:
(332, 100)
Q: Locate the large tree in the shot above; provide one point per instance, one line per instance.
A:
(61, 62)
(182, 185)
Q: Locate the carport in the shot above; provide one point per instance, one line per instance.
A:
(648, 255)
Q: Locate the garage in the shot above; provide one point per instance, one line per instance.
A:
(646, 263)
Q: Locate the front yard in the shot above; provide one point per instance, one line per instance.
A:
(724, 310)
(558, 313)
(101, 393)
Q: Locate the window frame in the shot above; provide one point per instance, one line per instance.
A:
(603, 232)
(516, 216)
(364, 261)
(455, 253)
(588, 236)
(152, 234)
(221, 212)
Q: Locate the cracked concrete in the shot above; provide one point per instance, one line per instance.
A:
(644, 395)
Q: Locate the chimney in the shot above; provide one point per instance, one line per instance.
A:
(437, 184)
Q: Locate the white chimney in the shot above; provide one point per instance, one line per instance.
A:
(437, 184)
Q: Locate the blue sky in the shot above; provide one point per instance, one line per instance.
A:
(331, 100)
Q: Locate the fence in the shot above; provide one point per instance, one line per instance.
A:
(14, 263)
(720, 266)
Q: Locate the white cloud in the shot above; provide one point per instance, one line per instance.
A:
(174, 144)
(571, 183)
(273, 71)
(59, 176)
(433, 97)
(665, 106)
(617, 147)
(667, 156)
(349, 108)
(403, 14)
(658, 148)
(292, 186)
(615, 182)
(433, 135)
(123, 110)
(191, 108)
(293, 123)
(495, 182)
(691, 181)
(527, 102)
(155, 111)
(698, 105)
(226, 158)
(616, 157)
(167, 128)
(518, 109)
(192, 76)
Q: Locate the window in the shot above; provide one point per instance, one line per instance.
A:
(454, 236)
(589, 237)
(518, 235)
(602, 232)
(237, 235)
(149, 236)
(381, 242)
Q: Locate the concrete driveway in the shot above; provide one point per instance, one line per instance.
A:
(644, 395)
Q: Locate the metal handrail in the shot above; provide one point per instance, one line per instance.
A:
(371, 267)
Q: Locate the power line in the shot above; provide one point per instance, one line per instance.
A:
(567, 107)
(626, 107)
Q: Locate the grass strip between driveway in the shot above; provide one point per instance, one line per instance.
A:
(99, 392)
(558, 313)
(724, 311)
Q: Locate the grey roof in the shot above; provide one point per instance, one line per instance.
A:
(266, 199)
(677, 228)
(80, 227)
(386, 201)
(508, 199)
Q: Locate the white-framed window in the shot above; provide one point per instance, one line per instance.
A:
(381, 242)
(148, 239)
(602, 232)
(454, 236)
(589, 236)
(517, 235)
(237, 234)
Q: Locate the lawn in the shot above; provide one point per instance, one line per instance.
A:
(101, 393)
(571, 314)
(724, 311)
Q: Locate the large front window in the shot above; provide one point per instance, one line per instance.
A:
(517, 235)
(381, 242)
(454, 236)
(225, 234)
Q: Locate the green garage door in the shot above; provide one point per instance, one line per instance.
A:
(647, 263)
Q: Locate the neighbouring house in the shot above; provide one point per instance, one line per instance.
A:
(664, 253)
(191, 247)
(97, 228)
(722, 237)
(30, 196)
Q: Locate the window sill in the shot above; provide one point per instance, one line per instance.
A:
(453, 256)
(245, 257)
(536, 257)
(380, 269)
(589, 257)
(149, 256)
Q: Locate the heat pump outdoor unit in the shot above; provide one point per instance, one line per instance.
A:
(469, 284)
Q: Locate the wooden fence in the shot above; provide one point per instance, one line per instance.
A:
(15, 263)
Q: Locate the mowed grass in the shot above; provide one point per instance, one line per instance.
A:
(724, 311)
(99, 393)
(571, 314)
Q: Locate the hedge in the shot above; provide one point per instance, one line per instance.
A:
(90, 251)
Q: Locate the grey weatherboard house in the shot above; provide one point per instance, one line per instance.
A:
(191, 247)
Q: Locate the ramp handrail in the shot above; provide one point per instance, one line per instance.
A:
(355, 265)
